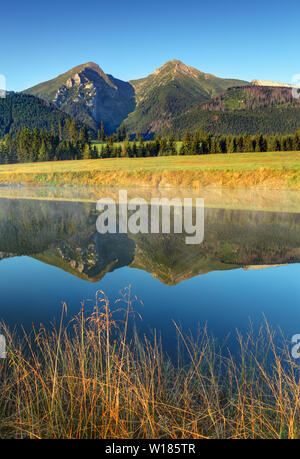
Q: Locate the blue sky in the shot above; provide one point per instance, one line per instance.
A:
(129, 39)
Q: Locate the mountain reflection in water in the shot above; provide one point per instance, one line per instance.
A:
(63, 234)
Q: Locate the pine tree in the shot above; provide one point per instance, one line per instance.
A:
(42, 155)
(60, 136)
(102, 132)
(123, 131)
(232, 147)
(73, 133)
(87, 154)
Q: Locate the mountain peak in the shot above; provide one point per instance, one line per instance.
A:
(89, 66)
(172, 65)
(82, 66)
(174, 62)
(177, 68)
(92, 64)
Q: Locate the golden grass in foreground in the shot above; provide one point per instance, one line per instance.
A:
(88, 382)
(273, 170)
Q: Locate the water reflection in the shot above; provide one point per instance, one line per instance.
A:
(63, 234)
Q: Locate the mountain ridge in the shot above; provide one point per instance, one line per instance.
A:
(90, 95)
(175, 97)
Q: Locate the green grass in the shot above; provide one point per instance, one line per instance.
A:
(100, 144)
(273, 170)
(89, 380)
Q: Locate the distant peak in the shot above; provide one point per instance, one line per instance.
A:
(272, 83)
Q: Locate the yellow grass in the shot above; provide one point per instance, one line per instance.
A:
(269, 170)
(90, 381)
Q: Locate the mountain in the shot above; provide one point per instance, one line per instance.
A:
(250, 109)
(170, 91)
(147, 105)
(88, 94)
(22, 110)
(176, 97)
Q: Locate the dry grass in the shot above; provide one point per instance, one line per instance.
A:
(272, 170)
(89, 380)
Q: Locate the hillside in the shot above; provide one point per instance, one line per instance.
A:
(88, 94)
(21, 110)
(248, 109)
(253, 98)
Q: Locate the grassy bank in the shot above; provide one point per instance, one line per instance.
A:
(269, 170)
(85, 382)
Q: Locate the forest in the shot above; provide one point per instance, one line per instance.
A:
(72, 144)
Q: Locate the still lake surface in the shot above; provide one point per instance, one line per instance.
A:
(247, 267)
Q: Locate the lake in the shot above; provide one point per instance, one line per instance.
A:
(247, 268)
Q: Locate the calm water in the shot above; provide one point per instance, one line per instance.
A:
(248, 266)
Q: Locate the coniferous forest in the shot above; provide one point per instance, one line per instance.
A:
(72, 143)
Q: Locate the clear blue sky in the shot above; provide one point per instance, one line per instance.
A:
(129, 39)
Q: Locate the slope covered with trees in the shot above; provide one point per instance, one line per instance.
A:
(19, 110)
(250, 109)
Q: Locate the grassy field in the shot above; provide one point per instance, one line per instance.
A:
(271, 170)
(84, 381)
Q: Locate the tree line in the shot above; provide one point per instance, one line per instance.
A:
(74, 143)
(197, 144)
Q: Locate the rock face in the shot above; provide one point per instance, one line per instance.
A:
(89, 95)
